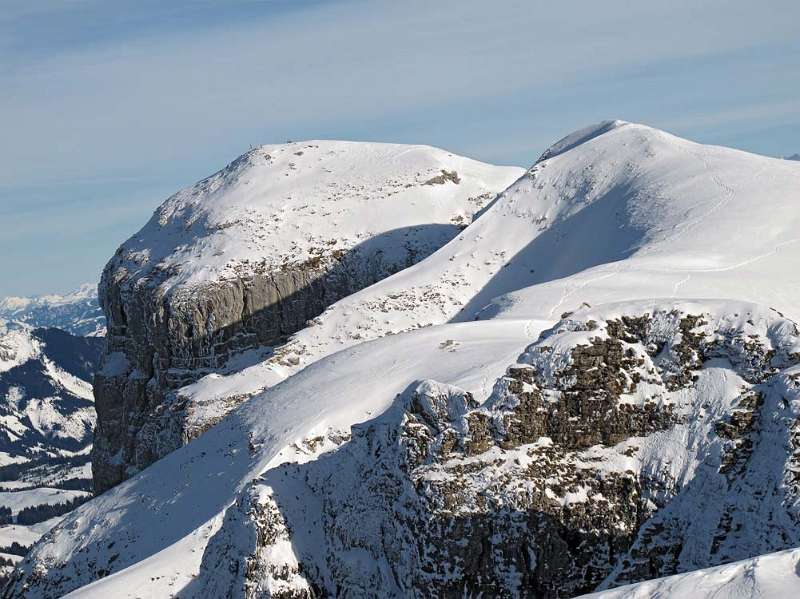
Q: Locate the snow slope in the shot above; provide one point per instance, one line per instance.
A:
(614, 213)
(772, 576)
(19, 500)
(146, 518)
(630, 213)
(77, 312)
(661, 217)
(167, 514)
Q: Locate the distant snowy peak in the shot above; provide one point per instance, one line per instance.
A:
(46, 423)
(16, 344)
(77, 312)
(279, 205)
(793, 157)
(85, 292)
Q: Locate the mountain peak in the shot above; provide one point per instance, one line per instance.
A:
(580, 136)
(594, 356)
(280, 203)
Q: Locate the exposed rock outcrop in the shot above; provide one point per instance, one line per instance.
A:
(570, 477)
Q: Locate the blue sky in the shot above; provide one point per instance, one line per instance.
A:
(106, 108)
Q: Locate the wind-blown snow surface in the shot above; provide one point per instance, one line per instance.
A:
(615, 213)
(78, 312)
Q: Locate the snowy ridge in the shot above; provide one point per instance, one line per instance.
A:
(282, 204)
(600, 390)
(772, 576)
(619, 211)
(579, 137)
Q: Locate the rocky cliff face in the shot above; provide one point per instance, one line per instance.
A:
(246, 257)
(586, 468)
(158, 343)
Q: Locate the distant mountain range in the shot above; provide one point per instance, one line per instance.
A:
(46, 426)
(77, 312)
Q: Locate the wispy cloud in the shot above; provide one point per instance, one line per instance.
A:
(124, 90)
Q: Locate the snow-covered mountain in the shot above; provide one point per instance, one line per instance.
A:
(46, 422)
(628, 212)
(77, 312)
(245, 257)
(541, 407)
